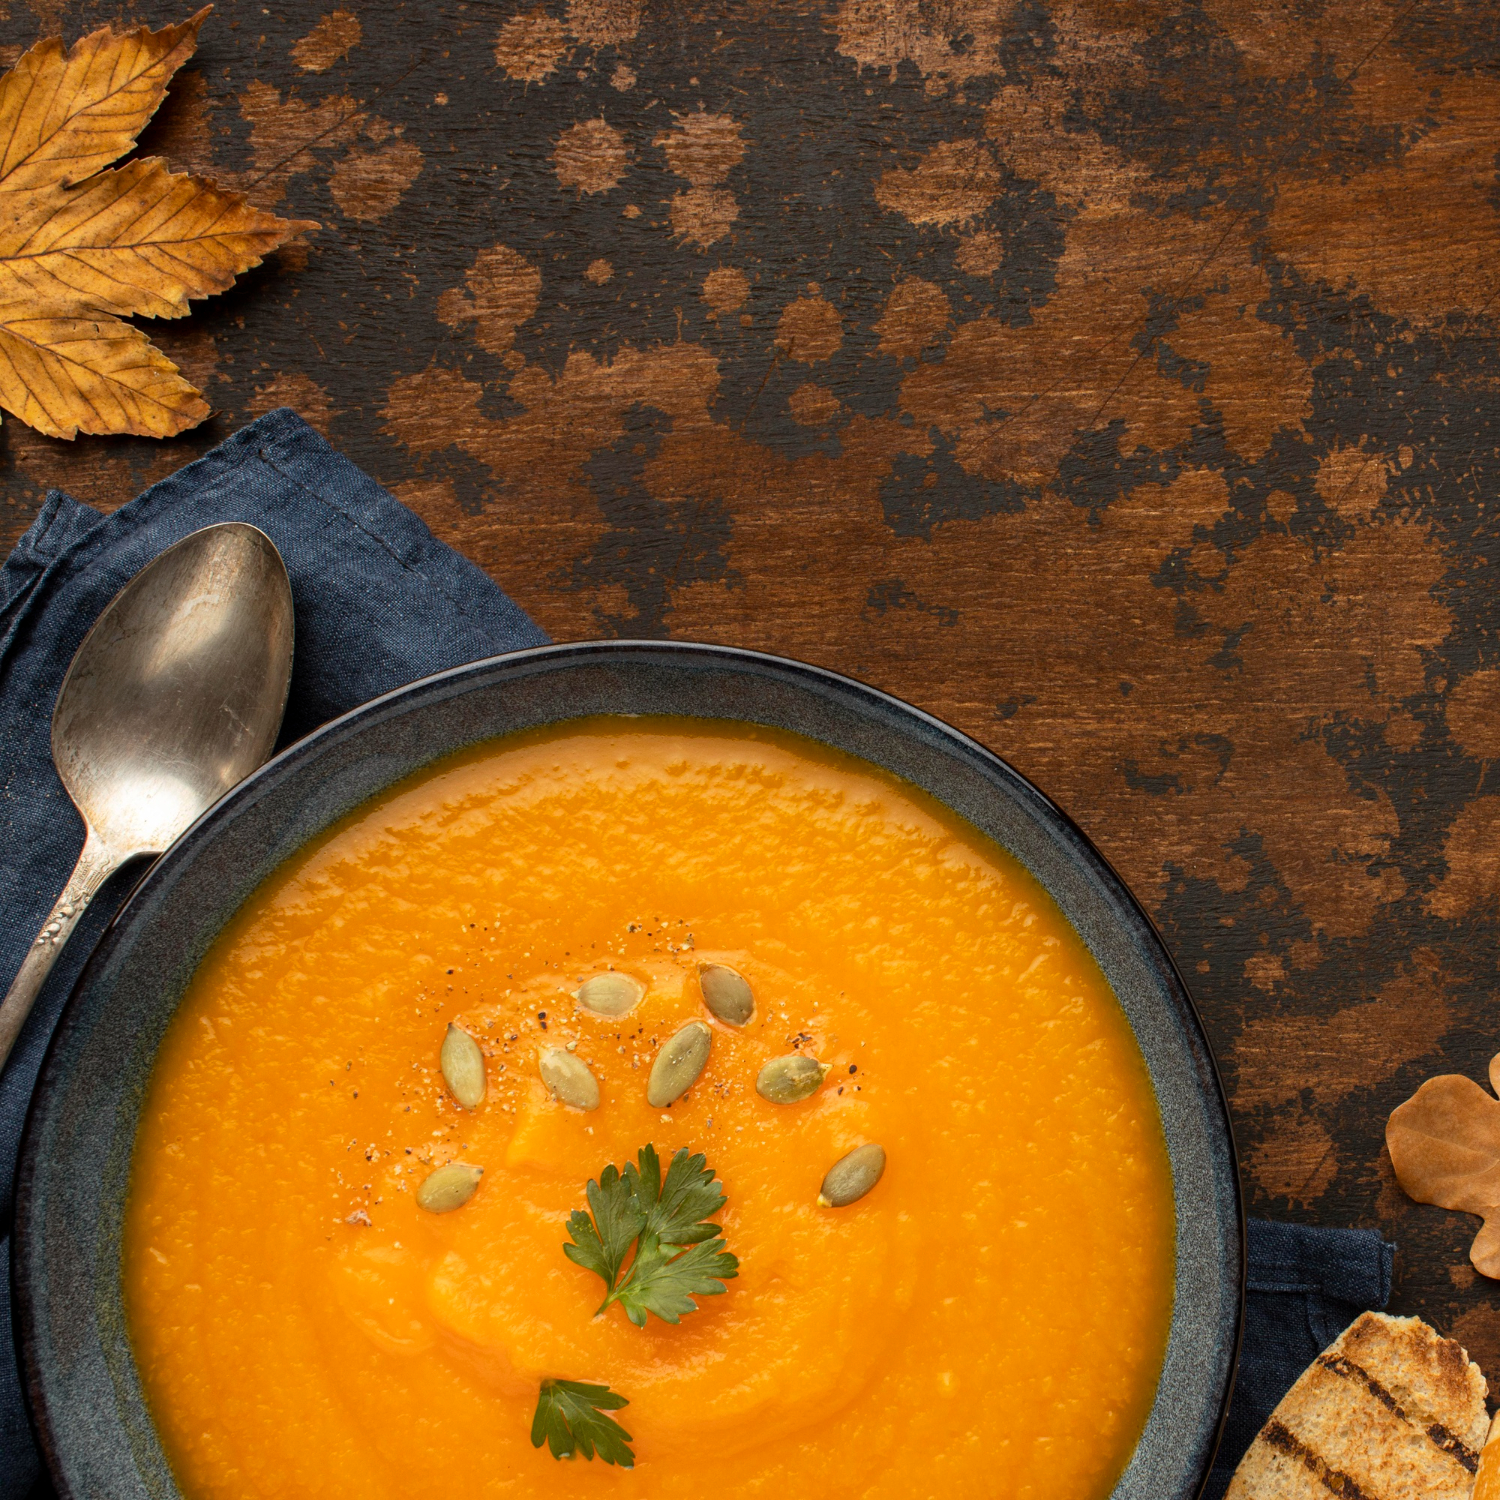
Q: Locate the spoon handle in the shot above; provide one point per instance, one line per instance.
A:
(95, 865)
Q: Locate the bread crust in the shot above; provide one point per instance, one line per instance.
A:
(1389, 1411)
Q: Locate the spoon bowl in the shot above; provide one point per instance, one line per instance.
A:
(174, 697)
(177, 693)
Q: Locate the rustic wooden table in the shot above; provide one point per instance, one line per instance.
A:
(1118, 381)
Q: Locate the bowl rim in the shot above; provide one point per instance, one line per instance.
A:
(287, 761)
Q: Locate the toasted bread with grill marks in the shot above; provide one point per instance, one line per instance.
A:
(1389, 1411)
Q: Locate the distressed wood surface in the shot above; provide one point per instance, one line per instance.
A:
(1118, 381)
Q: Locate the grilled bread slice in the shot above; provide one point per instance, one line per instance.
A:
(1389, 1411)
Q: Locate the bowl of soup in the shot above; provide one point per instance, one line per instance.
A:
(328, 1184)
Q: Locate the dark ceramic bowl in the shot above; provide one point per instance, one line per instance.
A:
(81, 1375)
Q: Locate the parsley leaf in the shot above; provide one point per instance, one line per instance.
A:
(664, 1282)
(674, 1207)
(678, 1254)
(600, 1244)
(570, 1419)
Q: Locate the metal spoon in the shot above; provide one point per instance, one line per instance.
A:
(174, 696)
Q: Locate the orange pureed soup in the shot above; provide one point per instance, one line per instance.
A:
(989, 1320)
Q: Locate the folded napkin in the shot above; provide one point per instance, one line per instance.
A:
(379, 603)
(1303, 1287)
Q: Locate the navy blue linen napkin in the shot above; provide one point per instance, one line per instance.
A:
(379, 602)
(1303, 1287)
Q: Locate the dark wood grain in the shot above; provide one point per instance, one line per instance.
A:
(1119, 381)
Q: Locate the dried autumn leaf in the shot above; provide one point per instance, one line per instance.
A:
(66, 114)
(81, 248)
(1445, 1146)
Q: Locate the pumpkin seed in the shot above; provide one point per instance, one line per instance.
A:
(852, 1176)
(463, 1067)
(785, 1080)
(569, 1078)
(449, 1187)
(610, 994)
(678, 1064)
(726, 993)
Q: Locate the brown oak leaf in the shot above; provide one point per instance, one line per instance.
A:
(81, 247)
(1445, 1146)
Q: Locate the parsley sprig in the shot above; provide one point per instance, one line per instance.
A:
(570, 1419)
(678, 1254)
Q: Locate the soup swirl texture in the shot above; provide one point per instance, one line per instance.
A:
(989, 1319)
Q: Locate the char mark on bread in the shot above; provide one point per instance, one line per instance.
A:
(1333, 1480)
(1434, 1431)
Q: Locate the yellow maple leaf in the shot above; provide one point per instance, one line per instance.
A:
(81, 247)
